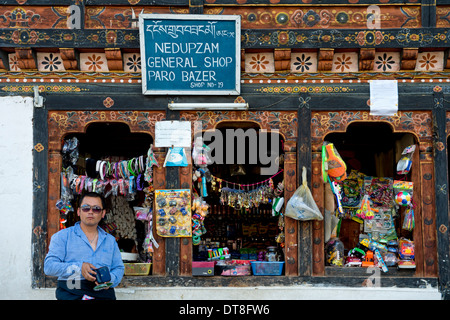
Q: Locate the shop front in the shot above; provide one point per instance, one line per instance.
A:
(237, 232)
(223, 211)
(274, 104)
(372, 148)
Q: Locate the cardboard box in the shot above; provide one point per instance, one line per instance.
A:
(203, 268)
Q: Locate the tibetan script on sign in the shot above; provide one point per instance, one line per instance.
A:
(190, 54)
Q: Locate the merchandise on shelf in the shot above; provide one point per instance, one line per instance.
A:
(383, 207)
(126, 185)
(334, 251)
(173, 212)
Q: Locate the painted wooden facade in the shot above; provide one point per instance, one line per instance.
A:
(305, 70)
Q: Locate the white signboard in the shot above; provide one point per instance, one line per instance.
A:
(173, 134)
(383, 97)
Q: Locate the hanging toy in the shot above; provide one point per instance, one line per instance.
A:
(204, 190)
(149, 163)
(332, 164)
(366, 211)
(324, 164)
(405, 162)
(276, 206)
(200, 175)
(408, 221)
(200, 210)
(403, 191)
(151, 159)
(200, 153)
(336, 189)
(403, 198)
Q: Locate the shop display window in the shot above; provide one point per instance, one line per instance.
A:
(110, 160)
(235, 217)
(238, 229)
(369, 211)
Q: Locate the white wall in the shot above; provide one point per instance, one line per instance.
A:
(16, 197)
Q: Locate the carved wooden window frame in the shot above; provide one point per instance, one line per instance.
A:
(418, 123)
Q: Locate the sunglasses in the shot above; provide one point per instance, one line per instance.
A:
(87, 208)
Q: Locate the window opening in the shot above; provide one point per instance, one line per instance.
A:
(376, 224)
(111, 160)
(242, 232)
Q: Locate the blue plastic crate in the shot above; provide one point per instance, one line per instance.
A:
(265, 268)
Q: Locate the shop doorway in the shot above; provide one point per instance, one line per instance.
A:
(112, 145)
(242, 225)
(371, 152)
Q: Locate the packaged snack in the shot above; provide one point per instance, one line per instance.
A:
(390, 259)
(334, 251)
(406, 249)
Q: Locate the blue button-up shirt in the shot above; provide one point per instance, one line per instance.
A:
(70, 247)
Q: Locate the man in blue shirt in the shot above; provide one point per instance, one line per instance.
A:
(76, 252)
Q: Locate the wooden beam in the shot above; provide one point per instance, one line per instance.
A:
(325, 62)
(39, 237)
(251, 38)
(159, 182)
(172, 182)
(304, 159)
(186, 243)
(366, 59)
(409, 58)
(69, 58)
(441, 191)
(114, 58)
(282, 58)
(290, 225)
(196, 6)
(26, 59)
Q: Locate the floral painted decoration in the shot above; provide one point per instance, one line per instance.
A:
(343, 63)
(132, 62)
(384, 62)
(13, 62)
(303, 63)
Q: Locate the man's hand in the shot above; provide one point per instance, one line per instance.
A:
(88, 271)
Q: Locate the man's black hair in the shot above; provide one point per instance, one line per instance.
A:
(92, 195)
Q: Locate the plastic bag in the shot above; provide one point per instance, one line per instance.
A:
(142, 213)
(405, 162)
(176, 157)
(408, 220)
(301, 206)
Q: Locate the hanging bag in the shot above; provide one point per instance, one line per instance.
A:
(301, 206)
